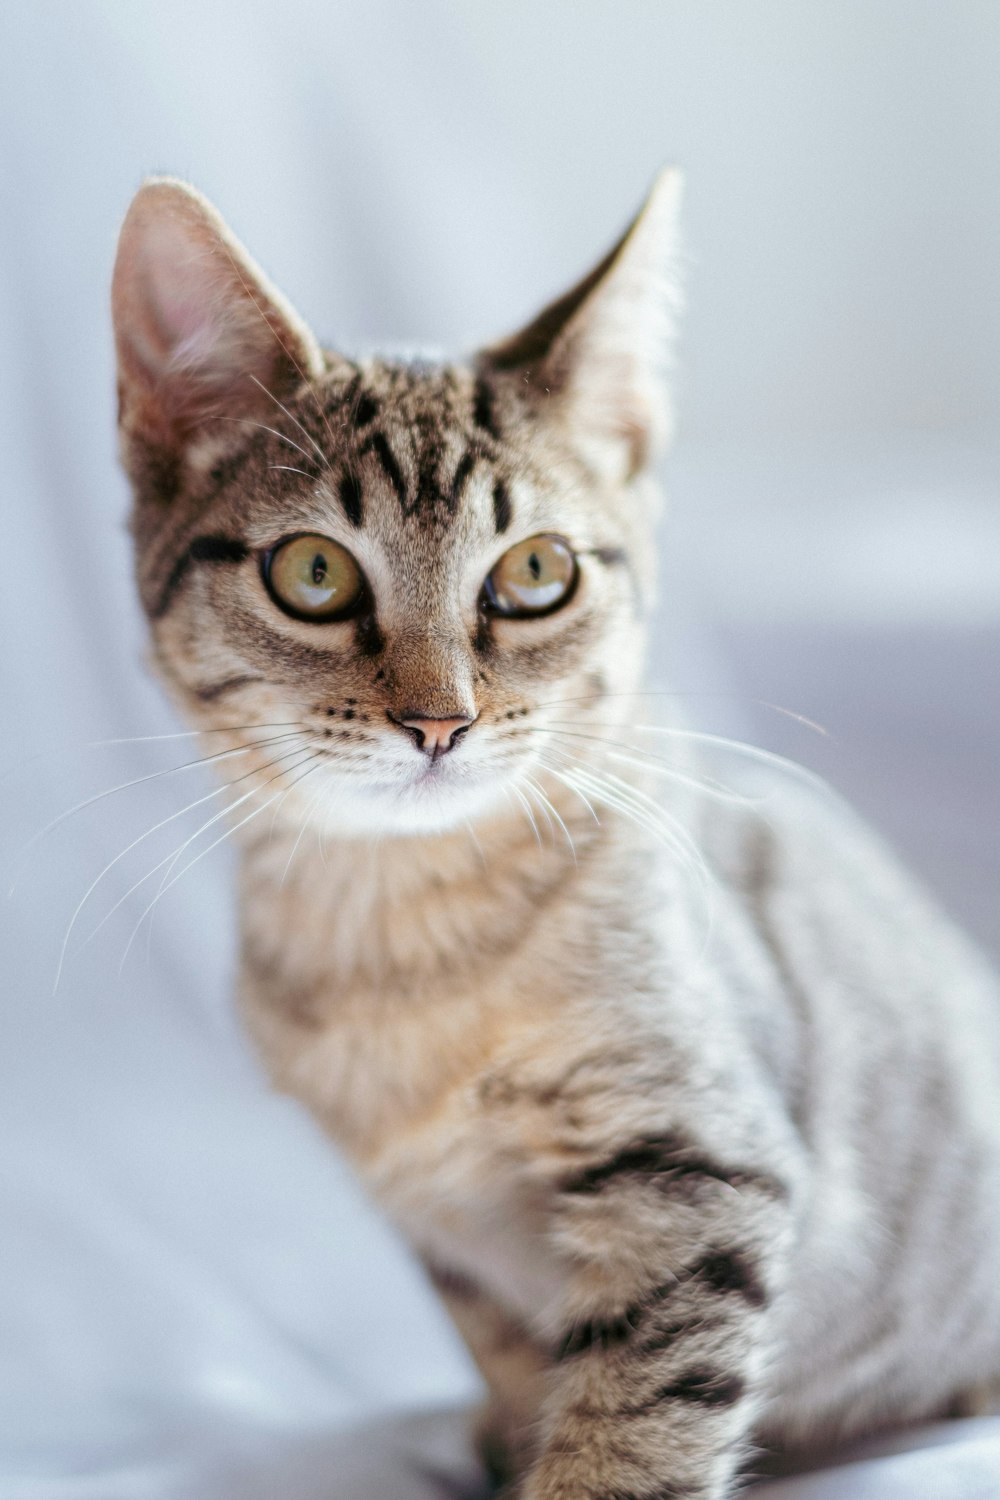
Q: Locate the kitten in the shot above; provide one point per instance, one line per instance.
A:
(689, 1107)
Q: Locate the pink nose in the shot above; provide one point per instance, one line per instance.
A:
(436, 736)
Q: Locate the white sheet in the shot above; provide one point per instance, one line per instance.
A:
(196, 1301)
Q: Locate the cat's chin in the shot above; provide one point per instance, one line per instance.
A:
(415, 809)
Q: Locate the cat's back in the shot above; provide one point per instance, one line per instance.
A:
(888, 999)
(879, 1023)
(840, 916)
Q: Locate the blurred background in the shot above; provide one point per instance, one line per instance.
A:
(191, 1279)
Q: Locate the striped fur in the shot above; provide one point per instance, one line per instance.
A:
(700, 1149)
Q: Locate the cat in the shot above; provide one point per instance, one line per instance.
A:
(687, 1101)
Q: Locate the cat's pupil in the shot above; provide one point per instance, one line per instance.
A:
(534, 566)
(318, 569)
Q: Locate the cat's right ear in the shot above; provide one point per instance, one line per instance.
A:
(593, 361)
(201, 334)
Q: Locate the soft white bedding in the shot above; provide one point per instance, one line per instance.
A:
(196, 1302)
(426, 1457)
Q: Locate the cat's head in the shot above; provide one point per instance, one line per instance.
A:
(419, 572)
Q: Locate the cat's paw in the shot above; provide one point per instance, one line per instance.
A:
(496, 1451)
(982, 1400)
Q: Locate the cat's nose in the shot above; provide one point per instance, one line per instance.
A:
(434, 736)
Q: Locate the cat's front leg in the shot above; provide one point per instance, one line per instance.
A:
(658, 1406)
(513, 1364)
(676, 1256)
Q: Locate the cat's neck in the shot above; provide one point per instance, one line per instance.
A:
(401, 914)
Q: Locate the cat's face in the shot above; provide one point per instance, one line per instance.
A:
(404, 583)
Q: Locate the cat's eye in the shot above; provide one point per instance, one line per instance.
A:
(313, 578)
(533, 578)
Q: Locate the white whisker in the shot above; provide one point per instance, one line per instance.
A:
(528, 813)
(753, 752)
(645, 811)
(323, 457)
(652, 762)
(268, 766)
(658, 827)
(139, 739)
(551, 812)
(213, 845)
(475, 839)
(530, 790)
(306, 816)
(168, 859)
(777, 708)
(575, 790)
(283, 437)
(321, 841)
(250, 292)
(208, 797)
(124, 786)
(769, 758)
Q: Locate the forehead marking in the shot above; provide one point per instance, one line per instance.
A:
(366, 410)
(466, 465)
(429, 493)
(379, 445)
(204, 549)
(349, 490)
(501, 507)
(484, 407)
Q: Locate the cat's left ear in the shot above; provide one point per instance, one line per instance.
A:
(202, 335)
(594, 360)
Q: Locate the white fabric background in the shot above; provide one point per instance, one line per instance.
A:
(196, 1300)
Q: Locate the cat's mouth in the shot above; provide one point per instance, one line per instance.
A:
(440, 779)
(433, 796)
(438, 773)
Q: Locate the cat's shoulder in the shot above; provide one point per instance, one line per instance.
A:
(808, 869)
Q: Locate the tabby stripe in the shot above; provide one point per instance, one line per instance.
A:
(704, 1387)
(616, 1443)
(378, 445)
(349, 490)
(503, 1089)
(341, 396)
(226, 470)
(484, 408)
(610, 556)
(669, 1160)
(367, 636)
(428, 485)
(666, 1335)
(452, 1283)
(204, 549)
(501, 506)
(465, 468)
(699, 1385)
(366, 410)
(721, 1272)
(483, 639)
(607, 1333)
(731, 1271)
(617, 557)
(216, 689)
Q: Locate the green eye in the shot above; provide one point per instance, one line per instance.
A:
(312, 578)
(533, 578)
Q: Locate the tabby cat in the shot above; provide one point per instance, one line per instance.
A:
(687, 1101)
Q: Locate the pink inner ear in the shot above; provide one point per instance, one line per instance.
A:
(196, 338)
(199, 328)
(182, 294)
